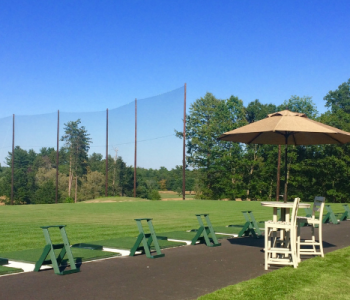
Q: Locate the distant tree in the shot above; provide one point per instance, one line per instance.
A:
(208, 119)
(162, 184)
(96, 162)
(252, 165)
(300, 104)
(24, 176)
(256, 111)
(45, 194)
(77, 142)
(339, 99)
(92, 185)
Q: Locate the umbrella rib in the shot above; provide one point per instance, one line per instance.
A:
(255, 137)
(333, 138)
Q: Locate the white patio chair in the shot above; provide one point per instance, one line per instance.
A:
(311, 244)
(286, 254)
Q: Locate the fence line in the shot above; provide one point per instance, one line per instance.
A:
(26, 121)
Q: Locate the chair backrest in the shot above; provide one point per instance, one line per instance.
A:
(318, 206)
(295, 211)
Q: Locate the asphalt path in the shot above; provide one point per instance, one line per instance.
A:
(184, 273)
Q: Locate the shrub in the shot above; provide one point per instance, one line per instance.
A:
(142, 192)
(45, 194)
(153, 195)
(69, 200)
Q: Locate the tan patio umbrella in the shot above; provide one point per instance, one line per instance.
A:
(288, 128)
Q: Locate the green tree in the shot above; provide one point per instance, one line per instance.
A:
(92, 185)
(45, 194)
(256, 173)
(256, 111)
(77, 142)
(208, 119)
(24, 176)
(300, 104)
(339, 99)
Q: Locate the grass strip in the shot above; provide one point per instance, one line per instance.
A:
(315, 278)
(32, 255)
(8, 270)
(128, 242)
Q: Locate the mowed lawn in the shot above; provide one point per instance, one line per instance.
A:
(20, 225)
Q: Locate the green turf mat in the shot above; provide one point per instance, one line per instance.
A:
(224, 229)
(185, 236)
(8, 270)
(128, 242)
(32, 255)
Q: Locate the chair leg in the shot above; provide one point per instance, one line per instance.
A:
(320, 241)
(313, 238)
(293, 248)
(267, 238)
(298, 243)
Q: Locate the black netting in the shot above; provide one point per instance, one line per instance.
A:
(6, 138)
(36, 140)
(158, 118)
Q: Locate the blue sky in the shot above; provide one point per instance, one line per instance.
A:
(91, 55)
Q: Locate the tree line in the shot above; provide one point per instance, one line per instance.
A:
(81, 176)
(214, 169)
(229, 170)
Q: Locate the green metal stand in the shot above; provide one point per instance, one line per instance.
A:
(146, 239)
(308, 214)
(48, 250)
(329, 217)
(346, 213)
(250, 227)
(206, 230)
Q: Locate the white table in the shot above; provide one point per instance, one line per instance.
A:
(285, 208)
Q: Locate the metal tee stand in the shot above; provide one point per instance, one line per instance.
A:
(330, 216)
(346, 214)
(206, 230)
(250, 227)
(48, 250)
(146, 239)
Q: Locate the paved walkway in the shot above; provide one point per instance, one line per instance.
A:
(184, 273)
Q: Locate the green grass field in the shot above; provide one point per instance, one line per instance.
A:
(317, 278)
(20, 225)
(8, 270)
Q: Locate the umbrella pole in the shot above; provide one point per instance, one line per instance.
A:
(278, 174)
(285, 170)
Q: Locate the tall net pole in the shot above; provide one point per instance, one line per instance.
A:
(135, 155)
(13, 157)
(106, 186)
(57, 153)
(278, 174)
(184, 150)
